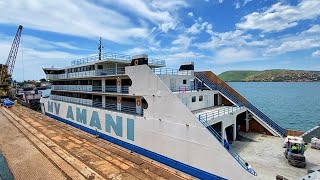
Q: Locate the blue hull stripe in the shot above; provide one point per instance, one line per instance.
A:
(195, 172)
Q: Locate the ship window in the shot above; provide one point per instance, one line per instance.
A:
(193, 99)
(184, 81)
(200, 98)
(100, 67)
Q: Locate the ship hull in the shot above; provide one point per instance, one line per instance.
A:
(119, 128)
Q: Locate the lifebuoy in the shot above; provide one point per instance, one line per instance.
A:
(138, 103)
(119, 100)
(118, 83)
(136, 62)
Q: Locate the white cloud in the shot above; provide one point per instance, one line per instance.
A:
(158, 12)
(177, 58)
(190, 14)
(87, 19)
(316, 53)
(246, 2)
(230, 38)
(182, 43)
(307, 39)
(312, 29)
(79, 18)
(279, 17)
(38, 43)
(237, 4)
(198, 26)
(169, 5)
(136, 51)
(295, 45)
(231, 55)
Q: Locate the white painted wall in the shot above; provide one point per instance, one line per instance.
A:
(169, 128)
(167, 79)
(207, 99)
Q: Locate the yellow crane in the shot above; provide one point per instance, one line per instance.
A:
(7, 69)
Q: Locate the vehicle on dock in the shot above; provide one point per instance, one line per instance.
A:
(7, 103)
(295, 152)
(179, 117)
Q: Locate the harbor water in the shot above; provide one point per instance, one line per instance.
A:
(294, 105)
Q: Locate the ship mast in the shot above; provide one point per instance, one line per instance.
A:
(100, 47)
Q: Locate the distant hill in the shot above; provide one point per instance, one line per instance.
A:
(273, 75)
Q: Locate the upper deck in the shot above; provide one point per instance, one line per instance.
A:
(100, 65)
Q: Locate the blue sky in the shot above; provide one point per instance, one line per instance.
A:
(218, 35)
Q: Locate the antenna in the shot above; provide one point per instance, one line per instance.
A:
(100, 47)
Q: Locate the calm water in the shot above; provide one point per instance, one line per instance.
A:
(292, 105)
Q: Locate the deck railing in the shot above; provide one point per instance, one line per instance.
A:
(98, 72)
(86, 102)
(85, 88)
(90, 88)
(219, 113)
(184, 89)
(113, 107)
(228, 147)
(114, 57)
(169, 71)
(97, 104)
(111, 89)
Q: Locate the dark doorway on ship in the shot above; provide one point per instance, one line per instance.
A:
(229, 134)
(241, 122)
(216, 99)
(217, 127)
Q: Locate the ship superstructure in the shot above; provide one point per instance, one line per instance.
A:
(179, 117)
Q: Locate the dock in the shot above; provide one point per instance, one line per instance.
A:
(265, 154)
(38, 147)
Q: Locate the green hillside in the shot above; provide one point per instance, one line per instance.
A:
(231, 76)
(274, 75)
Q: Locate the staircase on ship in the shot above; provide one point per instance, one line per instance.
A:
(213, 82)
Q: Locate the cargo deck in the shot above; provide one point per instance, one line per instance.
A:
(39, 147)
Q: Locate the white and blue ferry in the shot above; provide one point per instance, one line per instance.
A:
(178, 117)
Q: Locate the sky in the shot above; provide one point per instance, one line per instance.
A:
(217, 35)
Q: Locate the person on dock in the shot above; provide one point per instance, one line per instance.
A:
(248, 167)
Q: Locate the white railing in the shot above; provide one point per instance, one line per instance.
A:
(86, 88)
(99, 72)
(114, 57)
(87, 102)
(169, 71)
(226, 110)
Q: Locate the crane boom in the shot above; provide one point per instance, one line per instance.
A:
(14, 51)
(6, 70)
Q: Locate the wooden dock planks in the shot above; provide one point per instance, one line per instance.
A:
(80, 155)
